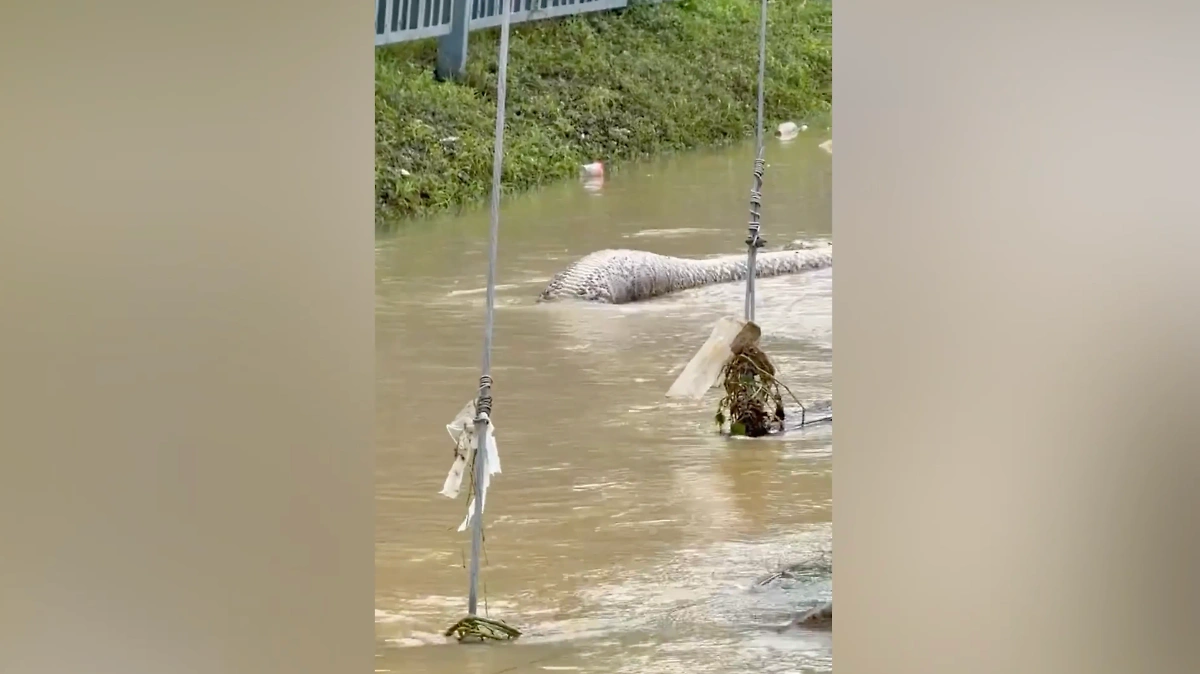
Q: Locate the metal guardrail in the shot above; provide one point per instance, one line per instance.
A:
(488, 13)
(407, 20)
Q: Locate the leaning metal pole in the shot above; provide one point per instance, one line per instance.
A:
(483, 405)
(753, 241)
(474, 625)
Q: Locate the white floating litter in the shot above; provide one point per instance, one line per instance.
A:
(593, 176)
(592, 170)
(787, 131)
(462, 431)
(827, 146)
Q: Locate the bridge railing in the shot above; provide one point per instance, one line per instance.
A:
(451, 21)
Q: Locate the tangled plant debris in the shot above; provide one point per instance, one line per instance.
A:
(476, 628)
(753, 403)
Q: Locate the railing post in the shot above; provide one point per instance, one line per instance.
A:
(452, 47)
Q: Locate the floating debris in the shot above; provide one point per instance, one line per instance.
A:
(820, 566)
(476, 628)
(753, 402)
(592, 170)
(593, 176)
(827, 146)
(668, 233)
(817, 618)
(787, 131)
(807, 244)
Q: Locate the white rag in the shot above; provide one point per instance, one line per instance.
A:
(462, 431)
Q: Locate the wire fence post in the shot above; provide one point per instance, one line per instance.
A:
(452, 47)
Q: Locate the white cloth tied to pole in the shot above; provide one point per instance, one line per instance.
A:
(462, 431)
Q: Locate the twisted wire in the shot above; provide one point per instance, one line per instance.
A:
(756, 204)
(483, 405)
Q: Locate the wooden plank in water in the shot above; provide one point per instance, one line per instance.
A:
(704, 369)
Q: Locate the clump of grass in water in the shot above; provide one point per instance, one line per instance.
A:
(608, 86)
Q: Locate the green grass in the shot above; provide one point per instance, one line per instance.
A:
(610, 86)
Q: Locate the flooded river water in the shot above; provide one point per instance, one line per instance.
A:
(624, 534)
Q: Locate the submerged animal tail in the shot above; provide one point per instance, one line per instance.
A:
(621, 276)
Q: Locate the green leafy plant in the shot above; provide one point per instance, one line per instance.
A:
(609, 86)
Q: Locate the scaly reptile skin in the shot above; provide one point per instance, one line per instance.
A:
(622, 276)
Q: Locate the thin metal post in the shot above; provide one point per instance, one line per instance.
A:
(753, 241)
(483, 406)
(480, 465)
(452, 47)
(762, 71)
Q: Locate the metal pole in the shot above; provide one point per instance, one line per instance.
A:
(762, 71)
(483, 406)
(481, 427)
(452, 47)
(753, 242)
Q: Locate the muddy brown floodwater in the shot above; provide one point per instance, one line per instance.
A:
(623, 535)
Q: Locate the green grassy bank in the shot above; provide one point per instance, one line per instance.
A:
(610, 86)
